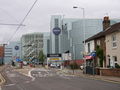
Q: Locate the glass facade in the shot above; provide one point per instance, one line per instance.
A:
(46, 43)
(55, 39)
(92, 26)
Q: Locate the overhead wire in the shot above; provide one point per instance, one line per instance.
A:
(8, 24)
(22, 21)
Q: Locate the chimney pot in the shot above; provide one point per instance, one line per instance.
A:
(106, 22)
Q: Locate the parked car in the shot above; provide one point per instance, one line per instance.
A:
(25, 63)
(81, 67)
(54, 65)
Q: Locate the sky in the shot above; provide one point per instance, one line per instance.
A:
(13, 12)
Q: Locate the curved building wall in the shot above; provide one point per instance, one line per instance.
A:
(31, 45)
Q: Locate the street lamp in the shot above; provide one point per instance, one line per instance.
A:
(83, 10)
(83, 22)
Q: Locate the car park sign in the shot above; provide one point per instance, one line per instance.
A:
(16, 47)
(56, 30)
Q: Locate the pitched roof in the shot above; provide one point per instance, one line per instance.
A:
(109, 30)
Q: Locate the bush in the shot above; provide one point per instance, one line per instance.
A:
(74, 66)
(117, 65)
(100, 55)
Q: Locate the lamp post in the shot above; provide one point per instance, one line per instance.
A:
(83, 21)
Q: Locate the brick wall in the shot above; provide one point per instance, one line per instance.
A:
(110, 72)
(1, 51)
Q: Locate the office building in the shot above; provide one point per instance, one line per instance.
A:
(59, 33)
(12, 51)
(46, 43)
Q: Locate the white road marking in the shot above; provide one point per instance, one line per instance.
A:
(64, 76)
(42, 69)
(10, 85)
(39, 72)
(29, 74)
(47, 74)
(27, 81)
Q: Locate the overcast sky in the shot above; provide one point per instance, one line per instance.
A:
(13, 11)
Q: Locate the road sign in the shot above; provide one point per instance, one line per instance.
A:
(18, 60)
(93, 54)
(53, 55)
(67, 56)
(54, 59)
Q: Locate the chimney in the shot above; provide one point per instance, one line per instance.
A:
(106, 22)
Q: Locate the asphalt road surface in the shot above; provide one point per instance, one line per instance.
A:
(42, 79)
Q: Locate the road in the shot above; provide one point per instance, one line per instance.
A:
(42, 79)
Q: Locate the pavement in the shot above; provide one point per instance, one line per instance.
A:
(96, 77)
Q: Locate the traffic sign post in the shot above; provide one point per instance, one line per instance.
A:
(53, 58)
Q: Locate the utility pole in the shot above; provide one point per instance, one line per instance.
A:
(36, 50)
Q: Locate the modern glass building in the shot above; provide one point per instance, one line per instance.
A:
(72, 34)
(91, 27)
(46, 43)
(60, 43)
(65, 34)
(55, 39)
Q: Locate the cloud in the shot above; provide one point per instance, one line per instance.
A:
(13, 11)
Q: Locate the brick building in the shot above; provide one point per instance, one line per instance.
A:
(99, 40)
(1, 54)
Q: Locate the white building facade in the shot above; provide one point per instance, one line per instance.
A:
(12, 51)
(89, 47)
(32, 44)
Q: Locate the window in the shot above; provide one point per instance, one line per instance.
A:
(65, 27)
(114, 41)
(115, 60)
(88, 47)
(98, 42)
(56, 23)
